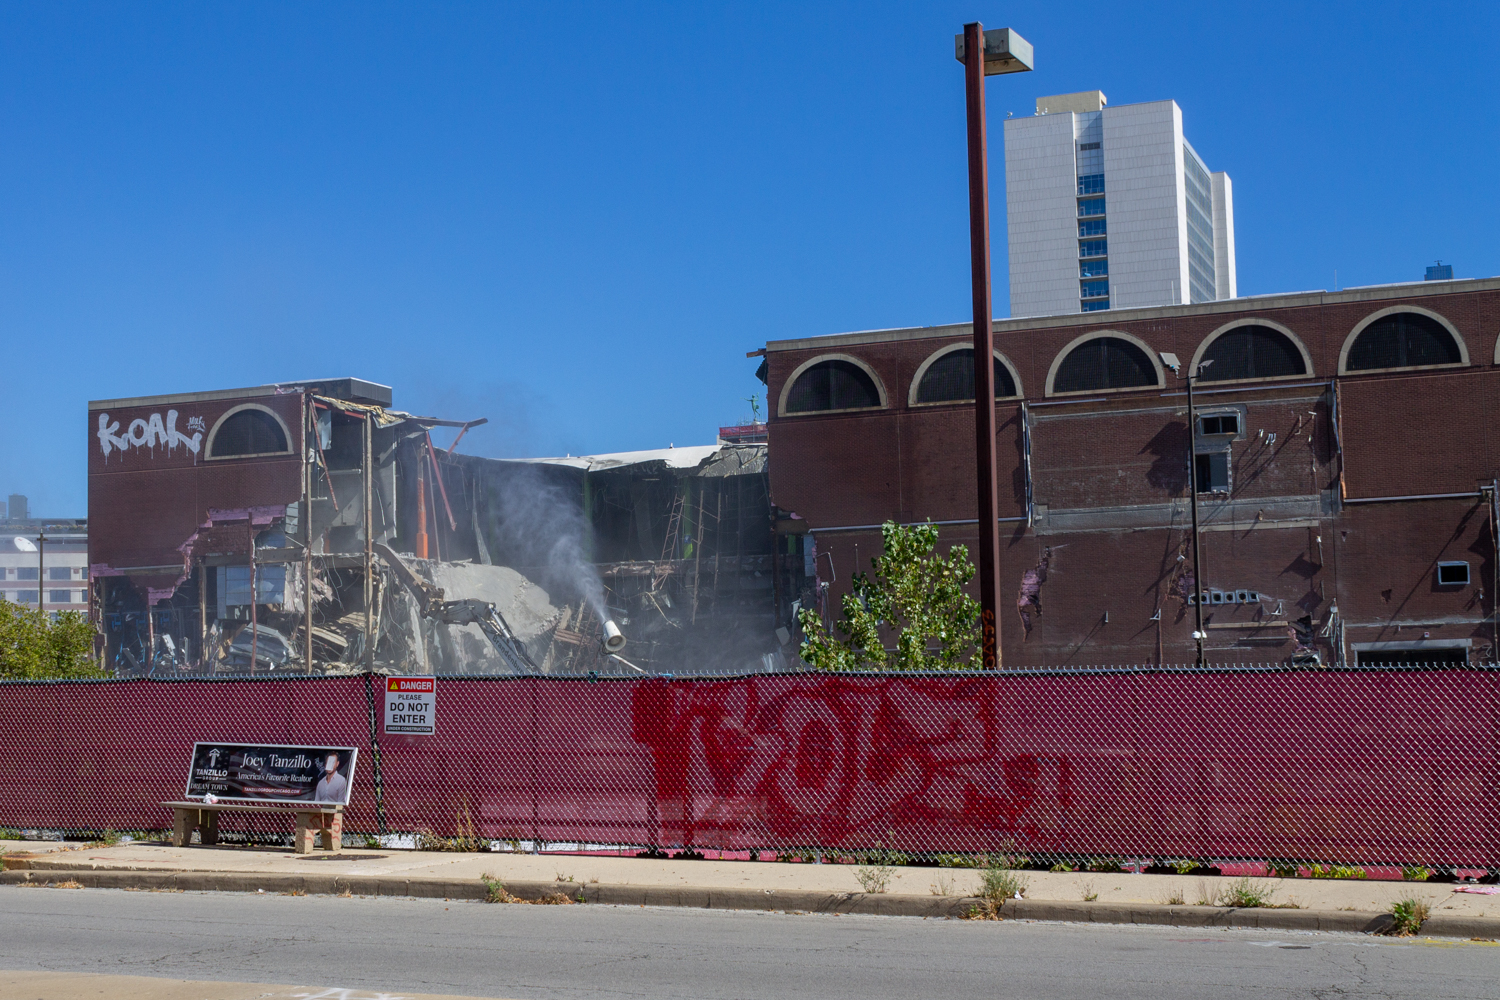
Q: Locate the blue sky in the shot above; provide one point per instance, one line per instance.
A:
(575, 219)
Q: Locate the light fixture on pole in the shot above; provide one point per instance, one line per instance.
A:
(1170, 360)
(985, 53)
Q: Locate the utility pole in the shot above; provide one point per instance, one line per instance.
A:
(985, 53)
(1198, 590)
(41, 548)
(1170, 360)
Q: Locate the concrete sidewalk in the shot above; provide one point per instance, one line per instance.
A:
(1115, 897)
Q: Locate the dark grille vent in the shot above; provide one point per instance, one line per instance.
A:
(832, 385)
(1403, 340)
(951, 378)
(1104, 363)
(1252, 352)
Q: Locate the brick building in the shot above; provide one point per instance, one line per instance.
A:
(1346, 454)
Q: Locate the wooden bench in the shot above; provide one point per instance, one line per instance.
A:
(313, 818)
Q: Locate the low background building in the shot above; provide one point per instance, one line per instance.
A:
(52, 550)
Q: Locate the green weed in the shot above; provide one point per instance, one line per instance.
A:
(1245, 893)
(1335, 871)
(1408, 916)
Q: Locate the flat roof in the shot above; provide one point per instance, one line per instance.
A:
(1103, 318)
(366, 391)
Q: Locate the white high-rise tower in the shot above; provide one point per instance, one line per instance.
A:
(1111, 208)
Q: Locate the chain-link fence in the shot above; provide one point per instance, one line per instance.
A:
(1352, 766)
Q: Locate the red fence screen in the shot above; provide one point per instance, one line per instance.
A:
(1360, 767)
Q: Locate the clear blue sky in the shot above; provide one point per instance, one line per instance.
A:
(575, 219)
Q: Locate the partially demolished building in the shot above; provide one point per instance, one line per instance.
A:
(309, 527)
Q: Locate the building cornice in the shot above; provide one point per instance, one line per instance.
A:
(1113, 317)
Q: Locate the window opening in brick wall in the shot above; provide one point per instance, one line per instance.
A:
(248, 432)
(1403, 340)
(1213, 472)
(1387, 656)
(1104, 363)
(1453, 574)
(833, 385)
(1219, 423)
(951, 378)
(1252, 352)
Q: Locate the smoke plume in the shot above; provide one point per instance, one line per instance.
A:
(540, 525)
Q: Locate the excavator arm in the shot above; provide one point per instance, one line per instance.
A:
(466, 612)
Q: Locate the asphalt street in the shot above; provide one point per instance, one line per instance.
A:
(568, 952)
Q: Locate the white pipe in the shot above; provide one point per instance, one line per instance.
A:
(614, 639)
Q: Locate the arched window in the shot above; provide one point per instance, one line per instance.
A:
(834, 384)
(248, 432)
(949, 378)
(1105, 363)
(1403, 340)
(1252, 351)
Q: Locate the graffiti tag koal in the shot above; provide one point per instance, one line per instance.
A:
(149, 432)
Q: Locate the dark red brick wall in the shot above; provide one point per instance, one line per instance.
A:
(146, 502)
(1426, 432)
(1122, 455)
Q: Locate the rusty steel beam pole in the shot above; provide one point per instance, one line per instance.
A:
(419, 544)
(254, 597)
(369, 530)
(308, 419)
(984, 350)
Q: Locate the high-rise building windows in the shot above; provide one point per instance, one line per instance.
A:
(1089, 207)
(1093, 248)
(1094, 305)
(1200, 213)
(1093, 268)
(1091, 184)
(1094, 289)
(1093, 227)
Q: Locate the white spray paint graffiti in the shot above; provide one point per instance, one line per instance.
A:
(150, 432)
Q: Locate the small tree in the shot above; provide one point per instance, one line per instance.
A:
(34, 646)
(914, 595)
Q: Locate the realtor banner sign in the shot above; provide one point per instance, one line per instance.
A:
(409, 705)
(256, 773)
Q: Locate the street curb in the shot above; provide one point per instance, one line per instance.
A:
(883, 904)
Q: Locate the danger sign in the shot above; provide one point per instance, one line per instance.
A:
(410, 704)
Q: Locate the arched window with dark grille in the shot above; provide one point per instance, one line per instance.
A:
(248, 432)
(1403, 340)
(1247, 352)
(1105, 363)
(834, 384)
(950, 378)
